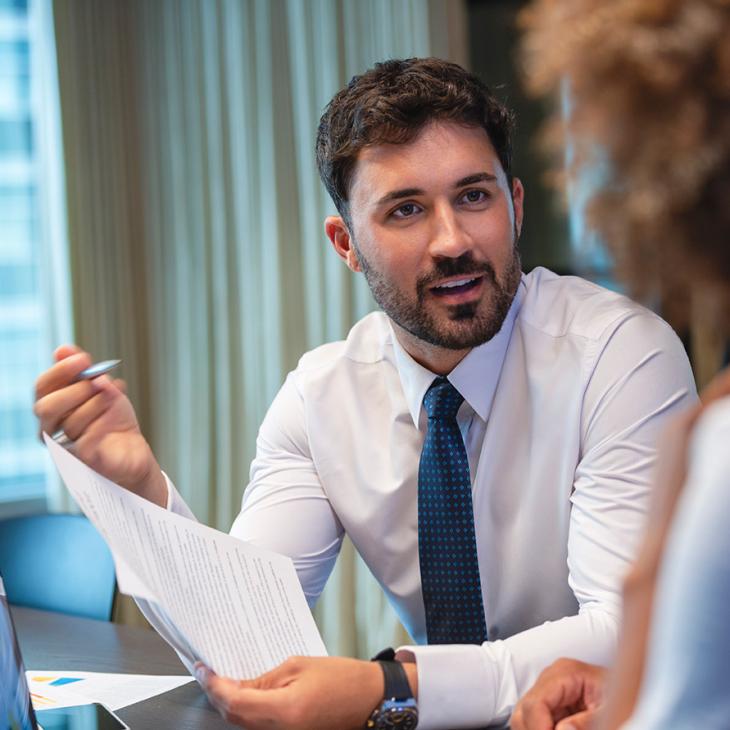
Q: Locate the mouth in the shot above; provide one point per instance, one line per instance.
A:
(458, 289)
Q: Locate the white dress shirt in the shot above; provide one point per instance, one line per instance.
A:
(687, 682)
(562, 410)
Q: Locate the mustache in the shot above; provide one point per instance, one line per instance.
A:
(462, 266)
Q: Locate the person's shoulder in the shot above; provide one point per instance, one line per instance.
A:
(366, 342)
(712, 432)
(709, 471)
(562, 306)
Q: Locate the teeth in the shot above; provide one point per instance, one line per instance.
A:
(458, 282)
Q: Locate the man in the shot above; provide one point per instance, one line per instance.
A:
(485, 441)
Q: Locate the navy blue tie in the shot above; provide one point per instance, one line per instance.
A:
(447, 550)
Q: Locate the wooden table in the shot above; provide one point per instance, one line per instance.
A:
(55, 641)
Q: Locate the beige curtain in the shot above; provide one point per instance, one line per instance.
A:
(195, 221)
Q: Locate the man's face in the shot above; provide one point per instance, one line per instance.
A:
(434, 230)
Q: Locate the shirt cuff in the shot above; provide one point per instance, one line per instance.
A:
(175, 503)
(462, 686)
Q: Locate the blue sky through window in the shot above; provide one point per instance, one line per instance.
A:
(22, 464)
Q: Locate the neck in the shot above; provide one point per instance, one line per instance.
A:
(439, 360)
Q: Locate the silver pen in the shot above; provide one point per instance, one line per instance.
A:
(93, 371)
(97, 369)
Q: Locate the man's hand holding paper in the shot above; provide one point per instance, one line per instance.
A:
(329, 693)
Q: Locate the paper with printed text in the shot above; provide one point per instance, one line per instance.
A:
(238, 608)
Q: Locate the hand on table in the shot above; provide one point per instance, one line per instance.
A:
(99, 419)
(303, 693)
(565, 696)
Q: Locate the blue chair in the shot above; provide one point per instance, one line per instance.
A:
(59, 563)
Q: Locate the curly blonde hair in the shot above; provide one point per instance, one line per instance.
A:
(649, 90)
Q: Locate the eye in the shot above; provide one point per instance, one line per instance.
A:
(474, 196)
(407, 210)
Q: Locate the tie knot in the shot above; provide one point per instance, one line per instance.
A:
(442, 400)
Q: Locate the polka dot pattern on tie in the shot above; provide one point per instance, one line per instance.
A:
(452, 592)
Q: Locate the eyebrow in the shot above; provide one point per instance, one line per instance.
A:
(410, 192)
(476, 178)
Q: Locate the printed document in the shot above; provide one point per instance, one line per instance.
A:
(50, 689)
(238, 608)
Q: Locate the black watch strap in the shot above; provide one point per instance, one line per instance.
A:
(398, 710)
(386, 655)
(396, 681)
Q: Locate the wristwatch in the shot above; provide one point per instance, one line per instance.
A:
(398, 710)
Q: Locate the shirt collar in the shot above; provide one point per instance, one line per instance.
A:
(475, 377)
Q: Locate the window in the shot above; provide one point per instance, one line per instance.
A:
(24, 350)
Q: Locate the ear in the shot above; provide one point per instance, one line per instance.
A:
(518, 202)
(338, 233)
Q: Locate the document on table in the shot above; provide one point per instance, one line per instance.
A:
(236, 607)
(49, 688)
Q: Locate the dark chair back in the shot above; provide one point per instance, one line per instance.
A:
(57, 563)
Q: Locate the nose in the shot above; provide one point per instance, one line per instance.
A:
(449, 239)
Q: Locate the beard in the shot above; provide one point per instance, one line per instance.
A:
(460, 326)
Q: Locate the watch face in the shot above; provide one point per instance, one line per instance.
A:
(397, 715)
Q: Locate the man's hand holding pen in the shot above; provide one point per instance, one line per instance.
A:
(97, 422)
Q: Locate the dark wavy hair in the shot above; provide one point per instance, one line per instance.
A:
(649, 87)
(391, 103)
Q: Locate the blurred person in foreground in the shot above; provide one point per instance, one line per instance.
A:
(649, 85)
